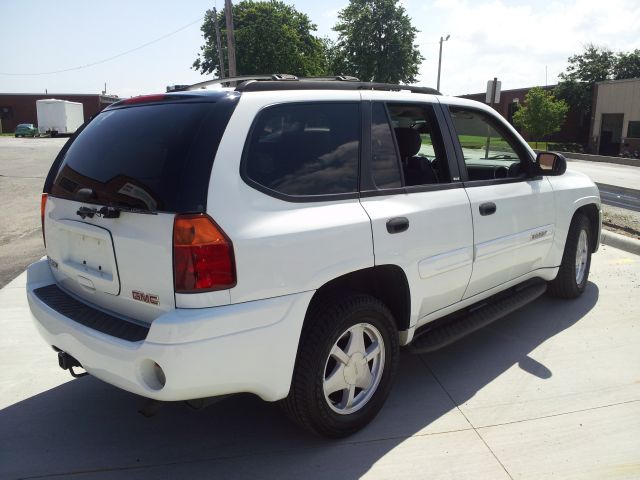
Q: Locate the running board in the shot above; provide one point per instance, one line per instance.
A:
(439, 336)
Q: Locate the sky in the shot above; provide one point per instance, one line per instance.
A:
(522, 42)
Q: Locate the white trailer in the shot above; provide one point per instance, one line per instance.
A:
(59, 116)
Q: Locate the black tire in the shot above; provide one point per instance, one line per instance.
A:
(326, 325)
(566, 285)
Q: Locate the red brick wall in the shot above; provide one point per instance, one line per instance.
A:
(23, 107)
(575, 129)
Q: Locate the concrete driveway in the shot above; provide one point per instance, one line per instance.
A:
(551, 391)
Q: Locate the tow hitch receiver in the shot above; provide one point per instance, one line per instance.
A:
(67, 362)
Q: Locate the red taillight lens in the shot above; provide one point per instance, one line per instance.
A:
(202, 255)
(43, 207)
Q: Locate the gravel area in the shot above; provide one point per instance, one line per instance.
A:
(619, 220)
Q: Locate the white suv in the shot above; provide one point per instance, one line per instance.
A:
(287, 236)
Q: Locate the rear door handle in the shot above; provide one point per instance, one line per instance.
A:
(397, 224)
(488, 208)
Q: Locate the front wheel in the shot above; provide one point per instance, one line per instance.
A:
(576, 260)
(347, 359)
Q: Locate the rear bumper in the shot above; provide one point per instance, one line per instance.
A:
(249, 347)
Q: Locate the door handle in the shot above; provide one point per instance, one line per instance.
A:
(488, 208)
(397, 224)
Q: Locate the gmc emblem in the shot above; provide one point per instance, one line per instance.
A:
(145, 297)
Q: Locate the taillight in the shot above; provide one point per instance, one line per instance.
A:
(202, 255)
(43, 207)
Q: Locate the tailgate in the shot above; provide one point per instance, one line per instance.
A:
(147, 160)
(123, 265)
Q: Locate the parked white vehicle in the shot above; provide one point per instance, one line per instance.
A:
(59, 116)
(285, 238)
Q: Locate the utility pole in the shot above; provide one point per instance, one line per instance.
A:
(440, 60)
(219, 44)
(231, 42)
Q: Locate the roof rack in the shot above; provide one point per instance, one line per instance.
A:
(304, 84)
(285, 81)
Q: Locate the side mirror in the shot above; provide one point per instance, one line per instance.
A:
(550, 163)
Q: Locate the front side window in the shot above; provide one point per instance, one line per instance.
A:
(305, 149)
(489, 152)
(633, 131)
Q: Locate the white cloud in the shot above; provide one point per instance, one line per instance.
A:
(515, 41)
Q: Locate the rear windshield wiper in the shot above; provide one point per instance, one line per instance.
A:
(109, 211)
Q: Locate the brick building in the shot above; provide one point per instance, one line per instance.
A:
(575, 128)
(16, 108)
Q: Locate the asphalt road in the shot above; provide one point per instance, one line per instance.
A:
(619, 184)
(24, 163)
(624, 176)
(620, 197)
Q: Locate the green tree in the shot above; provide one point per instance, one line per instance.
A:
(376, 42)
(627, 65)
(271, 37)
(594, 64)
(541, 114)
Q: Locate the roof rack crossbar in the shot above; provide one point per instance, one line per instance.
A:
(341, 78)
(240, 79)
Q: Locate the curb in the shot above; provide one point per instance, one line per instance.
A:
(632, 162)
(628, 244)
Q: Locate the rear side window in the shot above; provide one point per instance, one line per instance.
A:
(384, 159)
(305, 149)
(154, 157)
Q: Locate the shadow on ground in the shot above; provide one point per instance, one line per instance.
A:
(88, 429)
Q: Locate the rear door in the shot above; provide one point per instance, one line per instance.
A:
(513, 212)
(113, 194)
(419, 210)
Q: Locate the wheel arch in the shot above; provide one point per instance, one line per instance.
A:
(387, 283)
(592, 212)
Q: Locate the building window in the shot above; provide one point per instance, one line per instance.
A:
(634, 130)
(6, 113)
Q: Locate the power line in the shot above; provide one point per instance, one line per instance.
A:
(108, 59)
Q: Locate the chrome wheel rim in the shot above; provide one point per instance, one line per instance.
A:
(582, 254)
(353, 369)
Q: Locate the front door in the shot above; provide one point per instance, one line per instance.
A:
(513, 212)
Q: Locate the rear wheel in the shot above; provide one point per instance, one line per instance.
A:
(576, 260)
(347, 360)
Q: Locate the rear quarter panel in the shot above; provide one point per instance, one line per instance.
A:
(283, 247)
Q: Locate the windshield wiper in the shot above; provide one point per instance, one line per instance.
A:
(110, 211)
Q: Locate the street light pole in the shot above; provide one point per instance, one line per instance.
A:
(440, 59)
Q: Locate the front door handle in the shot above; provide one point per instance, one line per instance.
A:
(397, 224)
(488, 208)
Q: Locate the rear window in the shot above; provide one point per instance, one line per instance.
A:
(305, 149)
(155, 157)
